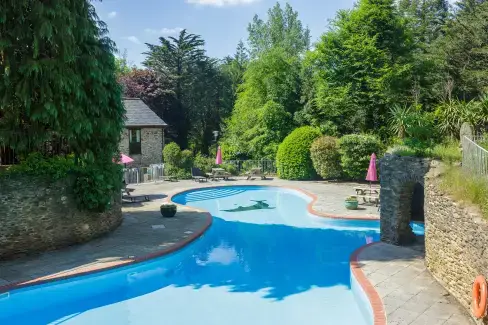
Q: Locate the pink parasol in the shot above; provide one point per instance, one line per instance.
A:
(372, 176)
(125, 159)
(218, 160)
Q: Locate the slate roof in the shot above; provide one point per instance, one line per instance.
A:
(139, 114)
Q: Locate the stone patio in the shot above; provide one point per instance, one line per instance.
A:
(409, 292)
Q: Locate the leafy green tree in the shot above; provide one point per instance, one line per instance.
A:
(283, 29)
(57, 72)
(265, 105)
(361, 66)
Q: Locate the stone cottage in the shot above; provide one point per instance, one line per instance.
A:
(143, 136)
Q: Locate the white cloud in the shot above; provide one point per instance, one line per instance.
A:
(112, 14)
(221, 3)
(134, 39)
(164, 31)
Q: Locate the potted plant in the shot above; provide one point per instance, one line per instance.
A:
(352, 203)
(168, 210)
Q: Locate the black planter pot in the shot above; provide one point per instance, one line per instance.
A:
(168, 211)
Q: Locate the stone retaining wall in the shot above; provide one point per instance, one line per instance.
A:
(456, 242)
(38, 215)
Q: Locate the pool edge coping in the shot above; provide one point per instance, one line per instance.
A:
(379, 317)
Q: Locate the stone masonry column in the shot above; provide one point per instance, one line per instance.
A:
(398, 176)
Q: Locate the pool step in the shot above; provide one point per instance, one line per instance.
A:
(211, 194)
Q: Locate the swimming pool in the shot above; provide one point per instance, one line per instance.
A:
(264, 260)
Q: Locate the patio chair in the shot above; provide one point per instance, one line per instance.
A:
(130, 197)
(256, 172)
(197, 175)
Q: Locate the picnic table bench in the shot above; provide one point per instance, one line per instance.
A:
(368, 194)
(218, 173)
(255, 172)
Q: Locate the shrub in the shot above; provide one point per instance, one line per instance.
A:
(186, 160)
(293, 158)
(326, 157)
(172, 154)
(204, 163)
(94, 186)
(230, 168)
(356, 150)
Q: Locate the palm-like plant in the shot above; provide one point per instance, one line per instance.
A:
(399, 119)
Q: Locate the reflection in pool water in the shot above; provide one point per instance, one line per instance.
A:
(260, 266)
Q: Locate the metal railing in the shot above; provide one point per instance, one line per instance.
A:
(475, 158)
(267, 166)
(137, 175)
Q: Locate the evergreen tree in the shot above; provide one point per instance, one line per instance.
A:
(461, 55)
(174, 60)
(57, 78)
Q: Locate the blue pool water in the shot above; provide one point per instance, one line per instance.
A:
(263, 261)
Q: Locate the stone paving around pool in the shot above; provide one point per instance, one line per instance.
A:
(409, 293)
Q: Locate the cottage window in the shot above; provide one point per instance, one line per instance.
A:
(134, 141)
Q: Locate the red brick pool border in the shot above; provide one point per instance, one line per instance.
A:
(379, 315)
(374, 298)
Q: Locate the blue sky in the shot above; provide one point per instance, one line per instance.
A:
(221, 23)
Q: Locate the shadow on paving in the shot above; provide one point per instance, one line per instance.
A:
(274, 259)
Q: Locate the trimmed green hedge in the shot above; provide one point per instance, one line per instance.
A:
(172, 154)
(356, 150)
(326, 157)
(293, 158)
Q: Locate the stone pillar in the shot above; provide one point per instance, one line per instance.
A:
(398, 176)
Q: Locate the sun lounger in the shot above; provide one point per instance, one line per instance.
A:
(256, 172)
(136, 198)
(197, 175)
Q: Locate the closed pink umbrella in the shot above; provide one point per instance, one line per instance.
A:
(372, 176)
(218, 160)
